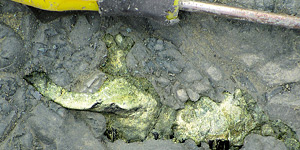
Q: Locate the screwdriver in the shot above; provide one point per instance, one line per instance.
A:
(164, 11)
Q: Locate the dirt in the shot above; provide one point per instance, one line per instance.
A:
(202, 55)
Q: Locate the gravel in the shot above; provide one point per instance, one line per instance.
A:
(203, 55)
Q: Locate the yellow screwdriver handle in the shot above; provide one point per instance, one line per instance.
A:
(62, 5)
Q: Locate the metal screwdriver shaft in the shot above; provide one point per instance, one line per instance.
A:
(241, 14)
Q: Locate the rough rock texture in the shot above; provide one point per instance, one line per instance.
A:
(203, 55)
(206, 120)
(258, 142)
(24, 125)
(12, 52)
(174, 74)
(147, 145)
(54, 125)
(284, 103)
(59, 44)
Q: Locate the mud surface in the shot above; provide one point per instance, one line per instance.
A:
(202, 55)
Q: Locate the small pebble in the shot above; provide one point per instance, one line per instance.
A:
(54, 47)
(267, 130)
(182, 95)
(159, 46)
(163, 81)
(36, 95)
(119, 39)
(42, 50)
(194, 96)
